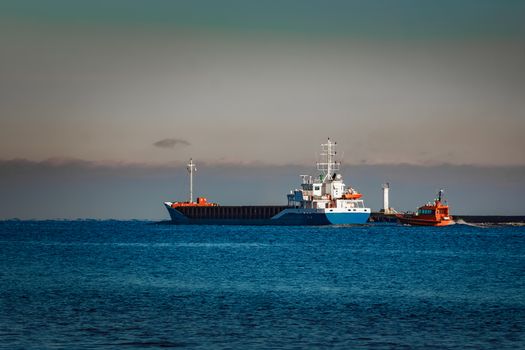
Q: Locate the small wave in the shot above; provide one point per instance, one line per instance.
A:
(519, 224)
(463, 222)
(148, 245)
(155, 344)
(489, 224)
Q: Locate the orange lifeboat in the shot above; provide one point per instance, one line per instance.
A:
(352, 195)
(201, 202)
(432, 214)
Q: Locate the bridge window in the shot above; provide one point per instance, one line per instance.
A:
(426, 211)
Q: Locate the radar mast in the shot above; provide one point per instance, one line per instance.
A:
(328, 165)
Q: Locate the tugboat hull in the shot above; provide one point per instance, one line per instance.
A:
(423, 222)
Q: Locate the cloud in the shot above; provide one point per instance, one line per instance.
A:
(171, 143)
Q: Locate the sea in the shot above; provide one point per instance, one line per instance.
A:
(88, 284)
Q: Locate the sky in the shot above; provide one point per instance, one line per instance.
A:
(109, 99)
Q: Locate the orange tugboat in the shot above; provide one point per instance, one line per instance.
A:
(431, 214)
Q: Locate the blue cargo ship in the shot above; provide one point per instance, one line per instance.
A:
(321, 200)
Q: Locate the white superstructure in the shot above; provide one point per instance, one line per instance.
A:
(327, 191)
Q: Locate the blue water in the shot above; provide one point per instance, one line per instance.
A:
(111, 284)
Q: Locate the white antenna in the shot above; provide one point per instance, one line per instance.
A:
(191, 169)
(329, 165)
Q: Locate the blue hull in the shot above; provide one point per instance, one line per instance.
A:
(286, 219)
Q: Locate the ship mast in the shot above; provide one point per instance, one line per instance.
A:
(191, 169)
(329, 165)
(440, 195)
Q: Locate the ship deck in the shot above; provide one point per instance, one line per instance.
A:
(252, 212)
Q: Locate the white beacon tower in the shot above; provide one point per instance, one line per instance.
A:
(386, 205)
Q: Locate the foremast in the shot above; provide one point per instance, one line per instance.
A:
(191, 167)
